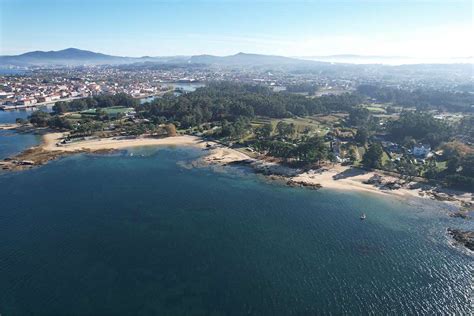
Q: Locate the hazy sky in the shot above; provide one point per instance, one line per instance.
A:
(293, 28)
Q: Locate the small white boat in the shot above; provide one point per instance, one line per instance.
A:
(363, 216)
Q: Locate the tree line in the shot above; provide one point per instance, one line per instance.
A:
(420, 98)
(230, 101)
(99, 101)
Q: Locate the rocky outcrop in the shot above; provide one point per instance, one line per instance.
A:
(303, 184)
(460, 214)
(463, 237)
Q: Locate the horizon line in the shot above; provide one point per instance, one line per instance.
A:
(248, 53)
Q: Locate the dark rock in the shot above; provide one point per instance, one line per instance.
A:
(302, 184)
(463, 237)
(375, 179)
(459, 214)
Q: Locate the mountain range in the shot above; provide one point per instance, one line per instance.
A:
(76, 57)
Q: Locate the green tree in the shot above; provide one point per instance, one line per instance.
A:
(60, 107)
(39, 118)
(58, 122)
(373, 157)
(430, 170)
(420, 126)
(358, 117)
(312, 150)
(407, 169)
(264, 131)
(362, 136)
(286, 130)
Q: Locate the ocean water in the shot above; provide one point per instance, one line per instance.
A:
(138, 232)
(10, 116)
(12, 143)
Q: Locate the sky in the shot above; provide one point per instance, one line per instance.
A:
(409, 28)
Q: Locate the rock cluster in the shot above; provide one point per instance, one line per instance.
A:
(463, 237)
(302, 184)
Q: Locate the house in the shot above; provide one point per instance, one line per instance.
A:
(421, 150)
(6, 95)
(44, 99)
(26, 102)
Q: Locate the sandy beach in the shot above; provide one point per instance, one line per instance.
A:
(51, 143)
(346, 178)
(53, 148)
(224, 155)
(335, 177)
(338, 177)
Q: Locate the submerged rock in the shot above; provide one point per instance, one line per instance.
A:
(460, 214)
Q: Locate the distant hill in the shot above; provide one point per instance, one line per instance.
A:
(69, 53)
(74, 56)
(245, 59)
(69, 56)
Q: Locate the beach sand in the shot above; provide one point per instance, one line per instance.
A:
(347, 178)
(335, 177)
(223, 155)
(51, 140)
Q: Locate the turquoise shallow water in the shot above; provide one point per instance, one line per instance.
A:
(12, 143)
(11, 116)
(143, 234)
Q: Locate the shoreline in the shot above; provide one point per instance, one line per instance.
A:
(336, 177)
(346, 178)
(51, 142)
(51, 148)
(333, 177)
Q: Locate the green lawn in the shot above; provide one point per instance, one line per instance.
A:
(114, 110)
(376, 108)
(441, 165)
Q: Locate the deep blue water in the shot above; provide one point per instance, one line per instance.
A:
(144, 234)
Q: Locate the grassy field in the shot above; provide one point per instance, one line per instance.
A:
(441, 165)
(115, 110)
(318, 124)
